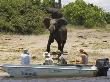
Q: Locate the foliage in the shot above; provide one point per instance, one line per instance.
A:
(108, 17)
(21, 16)
(49, 3)
(80, 13)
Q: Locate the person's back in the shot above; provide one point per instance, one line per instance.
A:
(25, 58)
(48, 59)
(84, 56)
(62, 60)
(84, 59)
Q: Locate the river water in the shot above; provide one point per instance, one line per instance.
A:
(4, 78)
(74, 79)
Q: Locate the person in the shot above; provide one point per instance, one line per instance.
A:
(84, 57)
(48, 59)
(25, 57)
(62, 60)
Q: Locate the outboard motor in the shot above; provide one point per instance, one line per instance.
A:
(102, 66)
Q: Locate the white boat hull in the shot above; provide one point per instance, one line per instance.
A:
(50, 70)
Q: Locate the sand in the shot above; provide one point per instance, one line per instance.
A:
(96, 42)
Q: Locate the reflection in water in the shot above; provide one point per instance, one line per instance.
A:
(74, 79)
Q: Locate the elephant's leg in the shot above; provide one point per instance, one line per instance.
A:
(61, 51)
(48, 47)
(62, 46)
(59, 48)
(51, 40)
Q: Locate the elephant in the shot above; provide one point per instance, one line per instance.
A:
(58, 32)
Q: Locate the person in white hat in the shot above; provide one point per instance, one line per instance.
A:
(48, 59)
(25, 57)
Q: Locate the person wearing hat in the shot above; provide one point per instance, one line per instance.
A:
(84, 57)
(25, 57)
(48, 59)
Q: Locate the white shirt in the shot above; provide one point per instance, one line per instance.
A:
(48, 61)
(25, 59)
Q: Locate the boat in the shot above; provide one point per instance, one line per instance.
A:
(68, 70)
(49, 70)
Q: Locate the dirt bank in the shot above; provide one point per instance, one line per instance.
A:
(95, 41)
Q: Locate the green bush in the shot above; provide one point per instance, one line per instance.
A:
(18, 16)
(80, 13)
(49, 3)
(108, 17)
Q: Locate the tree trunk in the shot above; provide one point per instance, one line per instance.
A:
(59, 3)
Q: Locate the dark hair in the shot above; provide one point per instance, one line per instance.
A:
(85, 53)
(81, 50)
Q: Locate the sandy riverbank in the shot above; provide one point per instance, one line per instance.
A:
(95, 42)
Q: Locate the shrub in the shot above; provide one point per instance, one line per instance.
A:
(22, 17)
(49, 3)
(108, 17)
(80, 13)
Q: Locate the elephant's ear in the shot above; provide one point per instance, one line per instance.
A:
(46, 22)
(62, 21)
